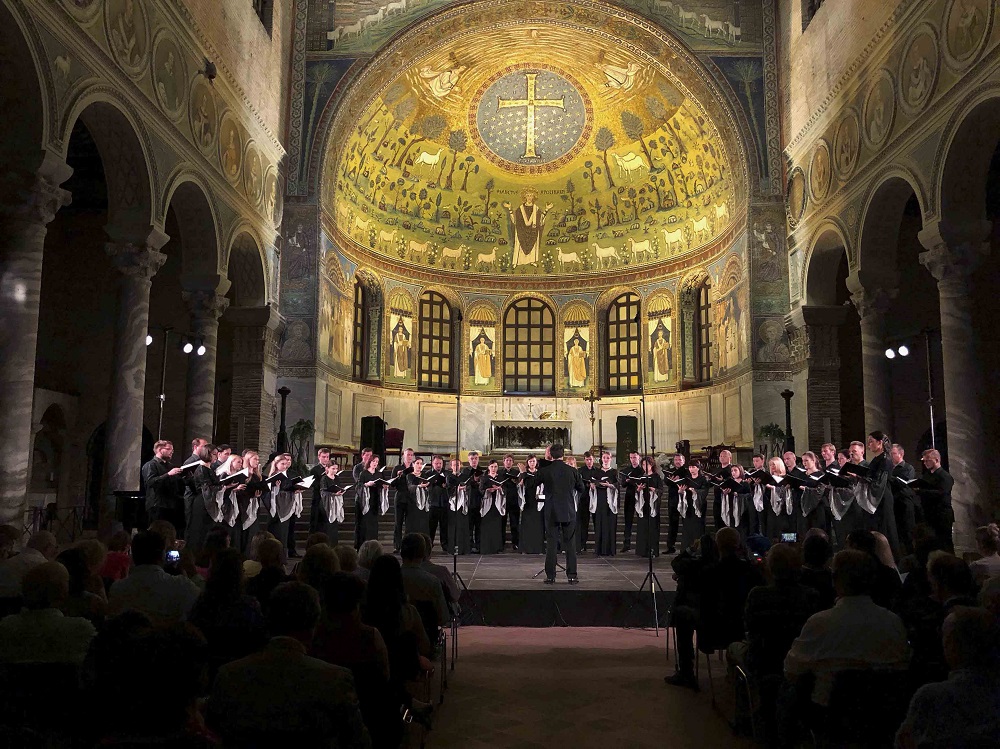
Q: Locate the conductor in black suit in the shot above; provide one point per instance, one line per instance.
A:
(561, 484)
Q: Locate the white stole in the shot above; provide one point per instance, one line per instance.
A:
(782, 500)
(654, 499)
(732, 509)
(682, 502)
(489, 501)
(460, 501)
(421, 499)
(758, 497)
(253, 506)
(333, 506)
(612, 499)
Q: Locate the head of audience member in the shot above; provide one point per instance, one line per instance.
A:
(856, 451)
(989, 596)
(216, 540)
(119, 542)
(883, 551)
(428, 546)
(317, 538)
(758, 545)
(853, 573)
(9, 536)
(226, 581)
(318, 564)
(343, 595)
(988, 540)
(789, 459)
(253, 551)
(862, 540)
(557, 451)
(386, 594)
(95, 553)
(45, 586)
(828, 453)
(75, 562)
(707, 549)
(971, 639)
(412, 550)
(810, 462)
(370, 551)
(776, 466)
(950, 577)
(44, 543)
(148, 548)
(784, 563)
(816, 551)
(165, 529)
(293, 611)
(347, 557)
(270, 554)
(728, 541)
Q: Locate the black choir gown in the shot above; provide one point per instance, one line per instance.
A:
(776, 522)
(251, 503)
(812, 509)
(369, 519)
(418, 520)
(647, 535)
(532, 539)
(282, 503)
(458, 524)
(330, 519)
(205, 514)
(693, 519)
(491, 533)
(606, 519)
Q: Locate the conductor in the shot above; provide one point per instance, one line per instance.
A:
(561, 483)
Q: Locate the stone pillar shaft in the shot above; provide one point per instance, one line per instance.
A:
(206, 308)
(22, 242)
(952, 262)
(123, 454)
(872, 305)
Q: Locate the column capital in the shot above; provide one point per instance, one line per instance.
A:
(38, 199)
(135, 260)
(954, 251)
(205, 305)
(872, 303)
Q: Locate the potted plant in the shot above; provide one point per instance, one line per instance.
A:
(772, 438)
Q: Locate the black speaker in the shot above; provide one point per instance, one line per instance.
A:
(373, 436)
(627, 429)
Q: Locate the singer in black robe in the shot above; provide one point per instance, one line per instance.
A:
(492, 519)
(692, 497)
(531, 531)
(470, 477)
(634, 470)
(418, 520)
(459, 530)
(438, 492)
(650, 501)
(511, 471)
(370, 515)
(605, 519)
(282, 505)
(332, 489)
(202, 484)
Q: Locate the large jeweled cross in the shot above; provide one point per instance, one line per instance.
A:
(530, 102)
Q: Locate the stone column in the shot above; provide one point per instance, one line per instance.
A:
(138, 263)
(206, 307)
(872, 302)
(256, 335)
(25, 215)
(952, 256)
(816, 350)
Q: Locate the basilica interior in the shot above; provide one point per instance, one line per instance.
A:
(475, 220)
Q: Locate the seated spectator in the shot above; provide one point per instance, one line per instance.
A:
(348, 558)
(41, 633)
(163, 598)
(963, 711)
(216, 540)
(119, 561)
(317, 566)
(951, 582)
(271, 553)
(921, 535)
(886, 586)
(988, 545)
(80, 601)
(41, 548)
(420, 585)
(719, 617)
(153, 678)
(341, 637)
(281, 696)
(775, 614)
(688, 571)
(816, 556)
(231, 621)
(855, 634)
(989, 596)
(370, 551)
(316, 538)
(396, 620)
(95, 553)
(9, 538)
(451, 590)
(252, 564)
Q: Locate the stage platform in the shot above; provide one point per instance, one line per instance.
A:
(502, 591)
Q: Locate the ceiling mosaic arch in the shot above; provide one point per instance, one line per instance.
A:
(595, 146)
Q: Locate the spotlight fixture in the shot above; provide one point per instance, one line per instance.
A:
(149, 339)
(201, 350)
(188, 347)
(890, 353)
(903, 351)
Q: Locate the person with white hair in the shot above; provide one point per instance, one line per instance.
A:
(41, 547)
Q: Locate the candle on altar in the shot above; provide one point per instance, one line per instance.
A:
(600, 433)
(652, 432)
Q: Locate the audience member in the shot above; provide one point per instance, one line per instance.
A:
(216, 540)
(41, 548)
(271, 553)
(80, 601)
(118, 561)
(951, 582)
(775, 614)
(688, 571)
(988, 545)
(231, 621)
(856, 633)
(282, 696)
(166, 599)
(421, 587)
(41, 633)
(451, 590)
(348, 558)
(9, 538)
(317, 566)
(317, 538)
(816, 555)
(252, 564)
(370, 551)
(963, 711)
(95, 553)
(989, 596)
(886, 585)
(396, 620)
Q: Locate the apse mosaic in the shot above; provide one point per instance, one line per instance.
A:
(511, 164)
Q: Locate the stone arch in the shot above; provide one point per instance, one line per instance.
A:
(965, 155)
(198, 224)
(126, 155)
(27, 90)
(246, 272)
(823, 260)
(880, 223)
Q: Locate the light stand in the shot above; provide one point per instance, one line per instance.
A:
(163, 383)
(930, 384)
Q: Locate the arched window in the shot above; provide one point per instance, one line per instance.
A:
(623, 344)
(703, 334)
(435, 366)
(529, 334)
(359, 357)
